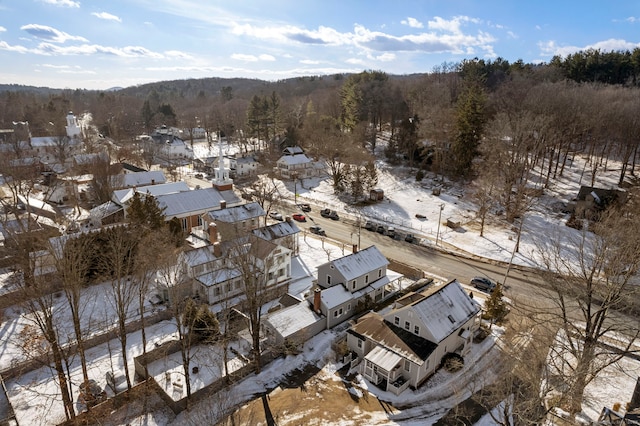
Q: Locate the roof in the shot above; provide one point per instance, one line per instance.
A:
(292, 319)
(276, 231)
(121, 196)
(197, 200)
(294, 159)
(357, 264)
(406, 344)
(216, 277)
(383, 358)
(237, 213)
(292, 150)
(141, 178)
(199, 256)
(444, 311)
(335, 296)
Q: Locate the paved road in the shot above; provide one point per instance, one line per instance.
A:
(439, 263)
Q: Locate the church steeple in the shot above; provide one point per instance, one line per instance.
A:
(222, 182)
(73, 130)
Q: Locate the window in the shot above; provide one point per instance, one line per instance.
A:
(407, 365)
(328, 279)
(216, 291)
(340, 311)
(359, 344)
(396, 320)
(379, 273)
(407, 326)
(416, 329)
(335, 314)
(451, 319)
(349, 307)
(199, 220)
(270, 276)
(184, 223)
(366, 279)
(280, 272)
(353, 285)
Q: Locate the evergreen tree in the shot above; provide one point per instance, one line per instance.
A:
(495, 307)
(470, 122)
(145, 213)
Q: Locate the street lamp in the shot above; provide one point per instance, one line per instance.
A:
(439, 221)
(294, 175)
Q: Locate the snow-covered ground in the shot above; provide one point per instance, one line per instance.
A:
(36, 400)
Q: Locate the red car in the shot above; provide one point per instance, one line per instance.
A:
(299, 217)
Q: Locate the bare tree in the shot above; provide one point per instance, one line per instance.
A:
(592, 301)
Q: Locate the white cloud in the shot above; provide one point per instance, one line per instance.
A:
(511, 34)
(632, 19)
(62, 3)
(252, 58)
(450, 25)
(2, 29)
(551, 48)
(355, 61)
(176, 54)
(309, 62)
(106, 16)
(50, 34)
(412, 22)
(386, 57)
(6, 46)
(48, 49)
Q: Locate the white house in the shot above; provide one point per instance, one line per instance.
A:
(352, 282)
(405, 346)
(294, 164)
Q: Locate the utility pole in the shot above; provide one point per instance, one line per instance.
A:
(439, 221)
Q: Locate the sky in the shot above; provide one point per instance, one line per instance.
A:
(89, 44)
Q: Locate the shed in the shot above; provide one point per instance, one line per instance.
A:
(376, 194)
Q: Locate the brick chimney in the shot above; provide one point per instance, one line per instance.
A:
(223, 204)
(212, 229)
(354, 249)
(217, 250)
(316, 300)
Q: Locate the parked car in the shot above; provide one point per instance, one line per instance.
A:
(331, 214)
(391, 232)
(484, 284)
(276, 216)
(299, 217)
(315, 229)
(381, 229)
(199, 176)
(305, 207)
(420, 216)
(370, 226)
(90, 393)
(410, 238)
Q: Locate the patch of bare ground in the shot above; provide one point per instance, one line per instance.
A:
(322, 399)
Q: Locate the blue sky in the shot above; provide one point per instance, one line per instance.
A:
(91, 44)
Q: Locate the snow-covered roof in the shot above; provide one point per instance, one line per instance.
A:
(291, 160)
(216, 277)
(121, 196)
(276, 230)
(383, 358)
(128, 180)
(197, 200)
(335, 296)
(443, 311)
(237, 213)
(199, 256)
(292, 319)
(357, 264)
(293, 150)
(104, 210)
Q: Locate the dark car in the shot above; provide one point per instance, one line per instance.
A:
(380, 229)
(410, 238)
(199, 176)
(315, 229)
(391, 232)
(484, 284)
(370, 226)
(331, 214)
(305, 207)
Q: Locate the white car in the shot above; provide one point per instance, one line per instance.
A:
(276, 216)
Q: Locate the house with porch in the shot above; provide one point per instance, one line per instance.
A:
(295, 164)
(406, 345)
(351, 283)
